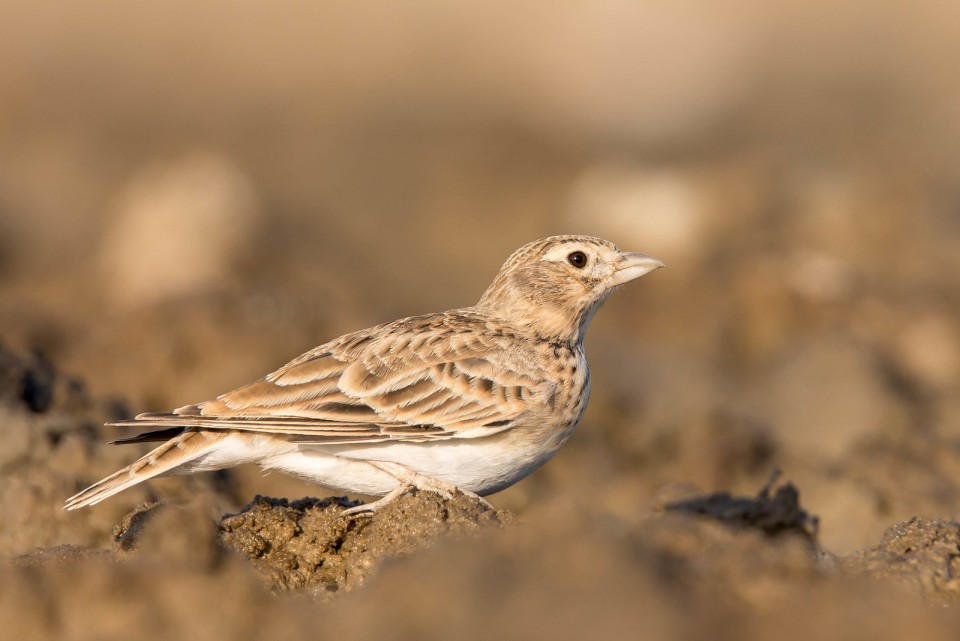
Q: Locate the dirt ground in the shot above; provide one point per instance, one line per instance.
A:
(686, 564)
(192, 194)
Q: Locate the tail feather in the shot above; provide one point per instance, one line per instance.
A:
(182, 449)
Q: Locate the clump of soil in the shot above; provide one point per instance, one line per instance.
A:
(310, 544)
(923, 554)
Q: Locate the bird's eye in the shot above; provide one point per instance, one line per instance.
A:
(577, 259)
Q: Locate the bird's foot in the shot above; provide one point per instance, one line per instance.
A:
(408, 481)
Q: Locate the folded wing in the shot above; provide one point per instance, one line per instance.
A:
(432, 377)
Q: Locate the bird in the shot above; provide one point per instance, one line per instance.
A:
(466, 401)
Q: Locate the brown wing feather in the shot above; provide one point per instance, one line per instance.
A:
(429, 377)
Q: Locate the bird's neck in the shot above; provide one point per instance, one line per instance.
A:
(546, 323)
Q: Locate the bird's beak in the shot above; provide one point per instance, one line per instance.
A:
(631, 266)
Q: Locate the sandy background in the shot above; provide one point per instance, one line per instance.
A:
(190, 195)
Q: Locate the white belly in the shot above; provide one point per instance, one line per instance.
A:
(480, 465)
(472, 464)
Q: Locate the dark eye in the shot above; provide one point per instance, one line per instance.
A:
(577, 259)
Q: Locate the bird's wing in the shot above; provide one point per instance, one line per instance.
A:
(425, 378)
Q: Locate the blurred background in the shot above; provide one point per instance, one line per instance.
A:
(193, 193)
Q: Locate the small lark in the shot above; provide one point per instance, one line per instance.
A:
(469, 400)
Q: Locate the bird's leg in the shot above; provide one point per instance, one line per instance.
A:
(407, 480)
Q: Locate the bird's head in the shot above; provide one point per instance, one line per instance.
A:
(555, 285)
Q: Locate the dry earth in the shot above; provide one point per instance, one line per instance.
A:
(176, 567)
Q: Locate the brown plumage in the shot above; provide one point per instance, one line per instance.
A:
(471, 399)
